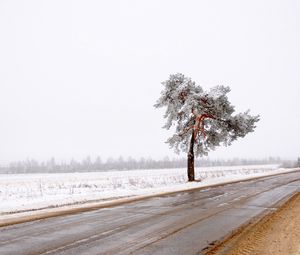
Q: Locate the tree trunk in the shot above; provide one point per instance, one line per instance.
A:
(190, 160)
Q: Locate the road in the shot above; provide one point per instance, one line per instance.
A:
(180, 223)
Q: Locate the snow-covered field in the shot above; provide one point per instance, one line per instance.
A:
(21, 192)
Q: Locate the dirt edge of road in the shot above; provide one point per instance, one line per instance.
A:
(276, 233)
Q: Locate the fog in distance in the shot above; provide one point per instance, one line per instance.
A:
(80, 78)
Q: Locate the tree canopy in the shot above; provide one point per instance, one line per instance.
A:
(208, 116)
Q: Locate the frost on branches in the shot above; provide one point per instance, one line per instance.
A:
(202, 119)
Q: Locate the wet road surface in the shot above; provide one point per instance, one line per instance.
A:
(181, 223)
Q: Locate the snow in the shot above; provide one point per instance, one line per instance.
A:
(208, 115)
(24, 192)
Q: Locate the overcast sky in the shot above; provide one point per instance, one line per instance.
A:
(80, 78)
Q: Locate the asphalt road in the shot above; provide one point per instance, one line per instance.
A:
(181, 223)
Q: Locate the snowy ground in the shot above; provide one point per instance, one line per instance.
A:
(21, 192)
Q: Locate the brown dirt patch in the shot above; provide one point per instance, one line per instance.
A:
(277, 233)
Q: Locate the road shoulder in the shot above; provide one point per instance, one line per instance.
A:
(276, 233)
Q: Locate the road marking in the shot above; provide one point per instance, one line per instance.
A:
(80, 241)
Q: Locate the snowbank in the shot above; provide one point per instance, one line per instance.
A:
(21, 192)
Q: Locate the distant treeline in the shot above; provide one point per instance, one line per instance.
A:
(88, 165)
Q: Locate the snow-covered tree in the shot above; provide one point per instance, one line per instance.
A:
(202, 119)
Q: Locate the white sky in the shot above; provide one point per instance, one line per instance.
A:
(80, 78)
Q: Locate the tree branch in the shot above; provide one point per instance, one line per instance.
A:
(199, 125)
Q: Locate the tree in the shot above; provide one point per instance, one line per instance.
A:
(203, 120)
